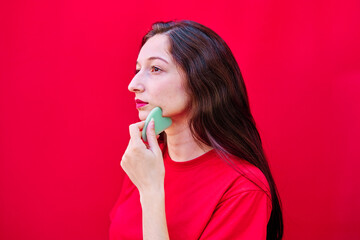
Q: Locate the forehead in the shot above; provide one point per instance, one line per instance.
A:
(156, 46)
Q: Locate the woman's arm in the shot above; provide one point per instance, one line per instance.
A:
(154, 219)
(145, 168)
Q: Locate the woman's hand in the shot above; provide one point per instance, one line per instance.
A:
(144, 164)
(145, 167)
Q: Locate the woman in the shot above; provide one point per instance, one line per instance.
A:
(206, 177)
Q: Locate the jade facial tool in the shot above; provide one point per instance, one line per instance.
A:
(161, 123)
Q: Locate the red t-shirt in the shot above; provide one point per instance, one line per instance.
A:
(205, 198)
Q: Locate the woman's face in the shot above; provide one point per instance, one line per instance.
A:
(158, 81)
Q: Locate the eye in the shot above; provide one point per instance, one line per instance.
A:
(155, 69)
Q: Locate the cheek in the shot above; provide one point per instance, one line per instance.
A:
(174, 103)
(170, 95)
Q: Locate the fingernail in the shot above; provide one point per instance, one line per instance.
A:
(152, 123)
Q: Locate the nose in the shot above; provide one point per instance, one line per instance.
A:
(136, 85)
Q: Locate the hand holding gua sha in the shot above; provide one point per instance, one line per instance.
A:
(161, 123)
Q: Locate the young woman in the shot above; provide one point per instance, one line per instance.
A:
(206, 176)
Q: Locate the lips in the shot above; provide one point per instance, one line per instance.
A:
(140, 103)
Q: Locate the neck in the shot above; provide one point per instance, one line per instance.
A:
(181, 144)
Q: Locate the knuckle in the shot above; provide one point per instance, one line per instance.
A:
(136, 149)
(124, 163)
(124, 158)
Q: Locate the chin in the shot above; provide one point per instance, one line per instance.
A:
(143, 115)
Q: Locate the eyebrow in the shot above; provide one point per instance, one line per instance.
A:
(153, 58)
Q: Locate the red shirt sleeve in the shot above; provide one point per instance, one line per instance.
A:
(240, 216)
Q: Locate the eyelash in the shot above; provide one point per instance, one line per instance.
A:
(153, 68)
(157, 69)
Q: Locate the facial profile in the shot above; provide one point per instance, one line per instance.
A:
(159, 81)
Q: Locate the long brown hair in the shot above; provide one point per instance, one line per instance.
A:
(219, 105)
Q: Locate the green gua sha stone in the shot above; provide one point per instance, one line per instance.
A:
(161, 123)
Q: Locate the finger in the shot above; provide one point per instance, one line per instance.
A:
(151, 137)
(135, 131)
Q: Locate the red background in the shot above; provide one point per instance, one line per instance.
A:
(65, 108)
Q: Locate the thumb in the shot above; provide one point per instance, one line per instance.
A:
(151, 137)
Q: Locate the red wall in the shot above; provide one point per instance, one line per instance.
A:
(65, 109)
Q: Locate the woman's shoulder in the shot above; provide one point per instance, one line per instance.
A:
(230, 171)
(246, 176)
(243, 183)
